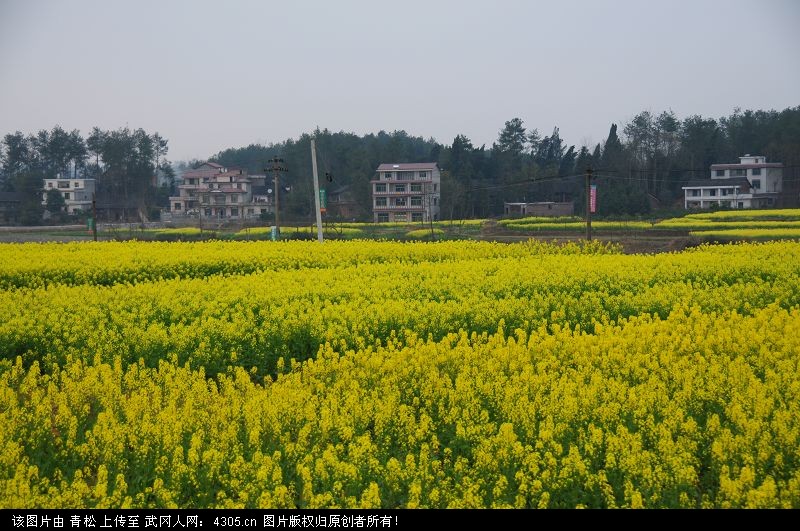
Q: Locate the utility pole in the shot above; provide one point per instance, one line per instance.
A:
(316, 189)
(589, 204)
(276, 169)
(94, 216)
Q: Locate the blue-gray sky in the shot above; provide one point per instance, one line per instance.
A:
(208, 74)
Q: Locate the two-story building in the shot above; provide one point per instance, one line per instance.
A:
(77, 193)
(406, 192)
(214, 191)
(752, 183)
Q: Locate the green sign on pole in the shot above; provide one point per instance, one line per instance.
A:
(323, 200)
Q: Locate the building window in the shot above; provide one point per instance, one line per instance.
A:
(724, 191)
(712, 192)
(250, 211)
(405, 175)
(755, 171)
(741, 204)
(66, 196)
(206, 198)
(423, 175)
(416, 187)
(401, 216)
(380, 188)
(757, 184)
(720, 173)
(695, 193)
(770, 201)
(435, 201)
(219, 199)
(399, 201)
(400, 188)
(416, 201)
(435, 186)
(49, 185)
(738, 173)
(380, 201)
(234, 212)
(387, 175)
(383, 218)
(234, 198)
(76, 184)
(177, 206)
(416, 216)
(263, 210)
(63, 184)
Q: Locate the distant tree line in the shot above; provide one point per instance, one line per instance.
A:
(124, 163)
(640, 166)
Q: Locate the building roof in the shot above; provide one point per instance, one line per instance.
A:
(408, 166)
(741, 182)
(10, 197)
(534, 203)
(746, 166)
(339, 190)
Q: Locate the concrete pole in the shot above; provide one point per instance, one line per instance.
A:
(316, 189)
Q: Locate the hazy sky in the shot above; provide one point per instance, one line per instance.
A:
(209, 75)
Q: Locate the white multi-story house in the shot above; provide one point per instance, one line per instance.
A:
(213, 191)
(753, 183)
(406, 192)
(77, 193)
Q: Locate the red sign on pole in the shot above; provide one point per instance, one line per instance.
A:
(593, 199)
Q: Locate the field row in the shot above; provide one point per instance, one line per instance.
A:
(42, 264)
(262, 319)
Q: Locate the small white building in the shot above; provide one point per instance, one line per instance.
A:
(77, 193)
(752, 183)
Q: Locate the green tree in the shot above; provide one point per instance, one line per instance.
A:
(16, 154)
(55, 201)
(29, 185)
(512, 137)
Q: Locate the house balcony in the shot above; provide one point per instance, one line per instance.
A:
(400, 194)
(392, 208)
(426, 180)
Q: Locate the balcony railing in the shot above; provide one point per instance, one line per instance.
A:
(396, 207)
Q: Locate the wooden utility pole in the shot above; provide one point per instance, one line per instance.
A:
(94, 216)
(276, 169)
(589, 204)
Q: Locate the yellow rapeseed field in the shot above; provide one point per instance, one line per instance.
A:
(387, 374)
